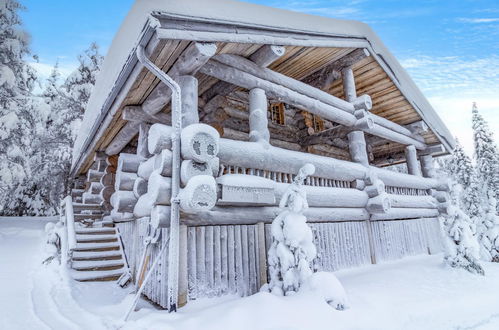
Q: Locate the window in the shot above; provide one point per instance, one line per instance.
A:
(277, 113)
(318, 124)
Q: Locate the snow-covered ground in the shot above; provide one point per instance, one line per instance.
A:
(414, 293)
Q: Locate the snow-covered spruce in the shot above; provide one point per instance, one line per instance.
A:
(462, 248)
(489, 229)
(486, 153)
(293, 250)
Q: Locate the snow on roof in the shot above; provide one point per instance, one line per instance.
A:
(139, 19)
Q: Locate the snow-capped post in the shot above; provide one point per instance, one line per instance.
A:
(462, 248)
(292, 248)
(259, 130)
(412, 160)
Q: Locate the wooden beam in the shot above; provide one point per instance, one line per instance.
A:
(194, 57)
(263, 57)
(248, 81)
(135, 113)
(277, 78)
(324, 77)
(267, 55)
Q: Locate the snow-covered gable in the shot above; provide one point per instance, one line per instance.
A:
(139, 25)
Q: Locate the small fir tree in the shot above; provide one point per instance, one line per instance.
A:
(292, 248)
(490, 230)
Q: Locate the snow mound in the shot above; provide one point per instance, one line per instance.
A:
(327, 286)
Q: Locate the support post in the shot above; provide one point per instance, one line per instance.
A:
(262, 253)
(427, 166)
(357, 145)
(189, 87)
(412, 160)
(259, 131)
(142, 142)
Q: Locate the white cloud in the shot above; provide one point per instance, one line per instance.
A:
(452, 84)
(478, 20)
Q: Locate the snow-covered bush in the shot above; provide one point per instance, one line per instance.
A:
(462, 248)
(292, 248)
(53, 247)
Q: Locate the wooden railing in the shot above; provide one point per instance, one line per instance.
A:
(69, 234)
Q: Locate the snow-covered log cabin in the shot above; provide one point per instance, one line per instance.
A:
(202, 116)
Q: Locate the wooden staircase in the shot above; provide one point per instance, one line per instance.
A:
(98, 255)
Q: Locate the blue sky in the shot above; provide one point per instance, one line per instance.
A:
(450, 48)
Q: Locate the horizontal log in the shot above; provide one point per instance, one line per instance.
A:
(254, 155)
(146, 168)
(324, 78)
(88, 198)
(94, 175)
(139, 187)
(251, 215)
(277, 78)
(267, 54)
(301, 101)
(326, 197)
(95, 187)
(124, 201)
(144, 206)
(395, 179)
(405, 213)
(407, 201)
(379, 204)
(159, 189)
(160, 137)
(125, 181)
(135, 113)
(129, 163)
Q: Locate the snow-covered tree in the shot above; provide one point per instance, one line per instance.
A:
(490, 231)
(460, 168)
(462, 248)
(486, 153)
(78, 86)
(292, 248)
(19, 113)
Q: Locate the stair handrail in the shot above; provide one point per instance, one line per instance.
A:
(70, 226)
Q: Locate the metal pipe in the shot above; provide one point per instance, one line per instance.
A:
(173, 250)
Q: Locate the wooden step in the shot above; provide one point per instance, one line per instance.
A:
(95, 231)
(96, 255)
(81, 206)
(97, 275)
(93, 238)
(87, 216)
(97, 246)
(98, 264)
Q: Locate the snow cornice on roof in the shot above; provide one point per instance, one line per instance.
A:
(230, 21)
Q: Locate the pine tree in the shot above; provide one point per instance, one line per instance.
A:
(460, 168)
(79, 84)
(490, 239)
(19, 113)
(292, 248)
(462, 248)
(486, 153)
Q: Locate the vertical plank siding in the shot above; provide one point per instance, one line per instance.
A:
(226, 259)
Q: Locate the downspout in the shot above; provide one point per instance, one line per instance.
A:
(173, 247)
